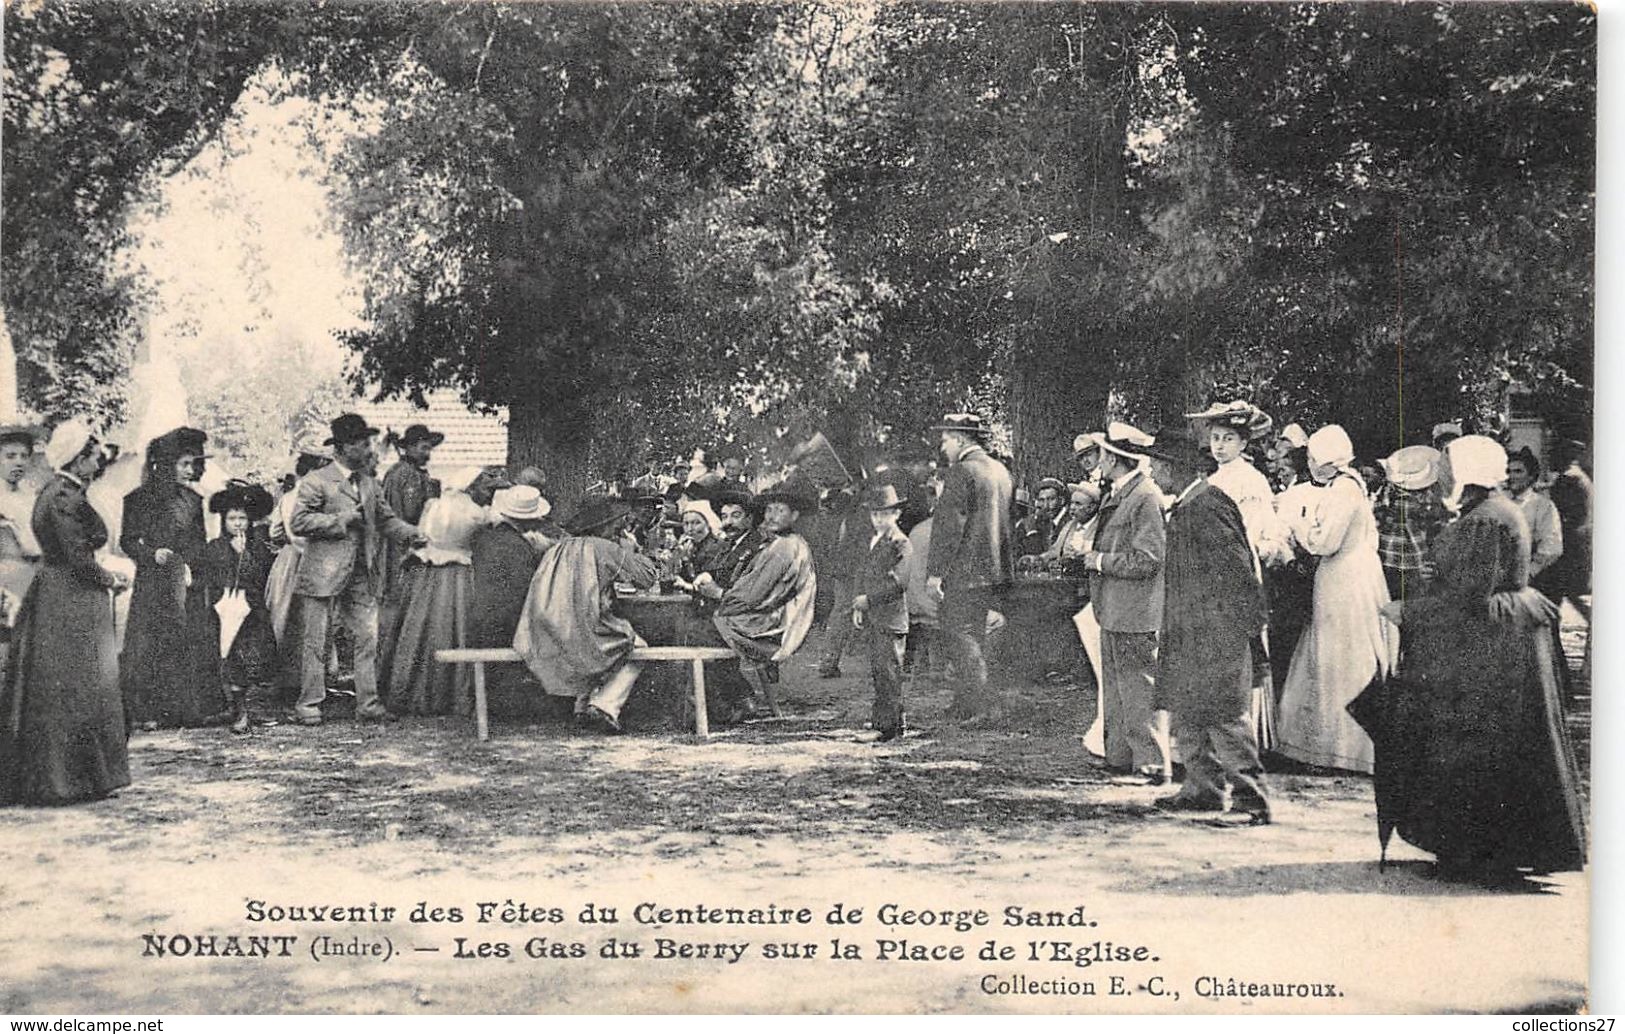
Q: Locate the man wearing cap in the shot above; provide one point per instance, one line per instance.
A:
(568, 633)
(1086, 451)
(341, 512)
(1213, 608)
(1125, 586)
(880, 610)
(971, 559)
(766, 613)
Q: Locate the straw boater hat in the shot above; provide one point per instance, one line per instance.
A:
(1238, 415)
(1085, 442)
(1125, 440)
(1413, 468)
(520, 503)
(964, 423)
(68, 440)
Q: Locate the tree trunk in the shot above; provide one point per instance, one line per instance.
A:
(563, 458)
(1058, 390)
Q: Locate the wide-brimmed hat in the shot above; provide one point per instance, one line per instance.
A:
(1125, 440)
(734, 497)
(1174, 444)
(1086, 442)
(520, 503)
(882, 497)
(964, 423)
(594, 512)
(347, 428)
(1238, 415)
(68, 440)
(419, 433)
(182, 441)
(25, 433)
(250, 498)
(798, 497)
(1413, 468)
(1084, 487)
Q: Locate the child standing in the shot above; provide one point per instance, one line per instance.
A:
(880, 610)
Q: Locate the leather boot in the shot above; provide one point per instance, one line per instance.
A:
(239, 711)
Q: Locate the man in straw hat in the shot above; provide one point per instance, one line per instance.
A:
(766, 613)
(569, 635)
(1213, 607)
(879, 609)
(1125, 584)
(342, 513)
(972, 556)
(505, 555)
(1409, 517)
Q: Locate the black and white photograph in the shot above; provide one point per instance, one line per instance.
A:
(818, 506)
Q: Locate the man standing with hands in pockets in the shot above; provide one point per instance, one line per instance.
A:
(971, 560)
(344, 516)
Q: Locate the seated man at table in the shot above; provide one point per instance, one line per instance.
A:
(1065, 554)
(505, 554)
(765, 614)
(569, 634)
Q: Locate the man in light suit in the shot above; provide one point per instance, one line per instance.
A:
(972, 553)
(1125, 584)
(345, 518)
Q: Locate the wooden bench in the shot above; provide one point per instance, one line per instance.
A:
(696, 656)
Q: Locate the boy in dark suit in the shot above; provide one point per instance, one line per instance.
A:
(880, 609)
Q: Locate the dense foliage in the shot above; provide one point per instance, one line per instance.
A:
(644, 226)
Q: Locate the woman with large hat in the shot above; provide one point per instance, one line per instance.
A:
(1347, 644)
(171, 663)
(62, 729)
(237, 566)
(1225, 431)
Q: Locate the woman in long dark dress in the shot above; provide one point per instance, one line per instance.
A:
(170, 669)
(240, 562)
(62, 729)
(1493, 787)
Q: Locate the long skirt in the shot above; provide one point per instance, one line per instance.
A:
(170, 670)
(252, 660)
(435, 617)
(62, 731)
(287, 623)
(1346, 645)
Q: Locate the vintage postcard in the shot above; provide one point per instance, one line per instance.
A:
(809, 507)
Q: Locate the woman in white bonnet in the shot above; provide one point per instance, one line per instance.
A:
(1491, 784)
(1347, 643)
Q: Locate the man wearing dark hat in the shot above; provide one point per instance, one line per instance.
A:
(1125, 586)
(342, 513)
(971, 558)
(766, 613)
(739, 513)
(569, 635)
(407, 488)
(880, 611)
(1212, 608)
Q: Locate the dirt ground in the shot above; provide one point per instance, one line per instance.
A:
(792, 812)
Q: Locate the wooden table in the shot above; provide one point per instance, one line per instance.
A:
(662, 696)
(1039, 636)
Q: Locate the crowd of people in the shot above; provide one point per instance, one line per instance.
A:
(1229, 614)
